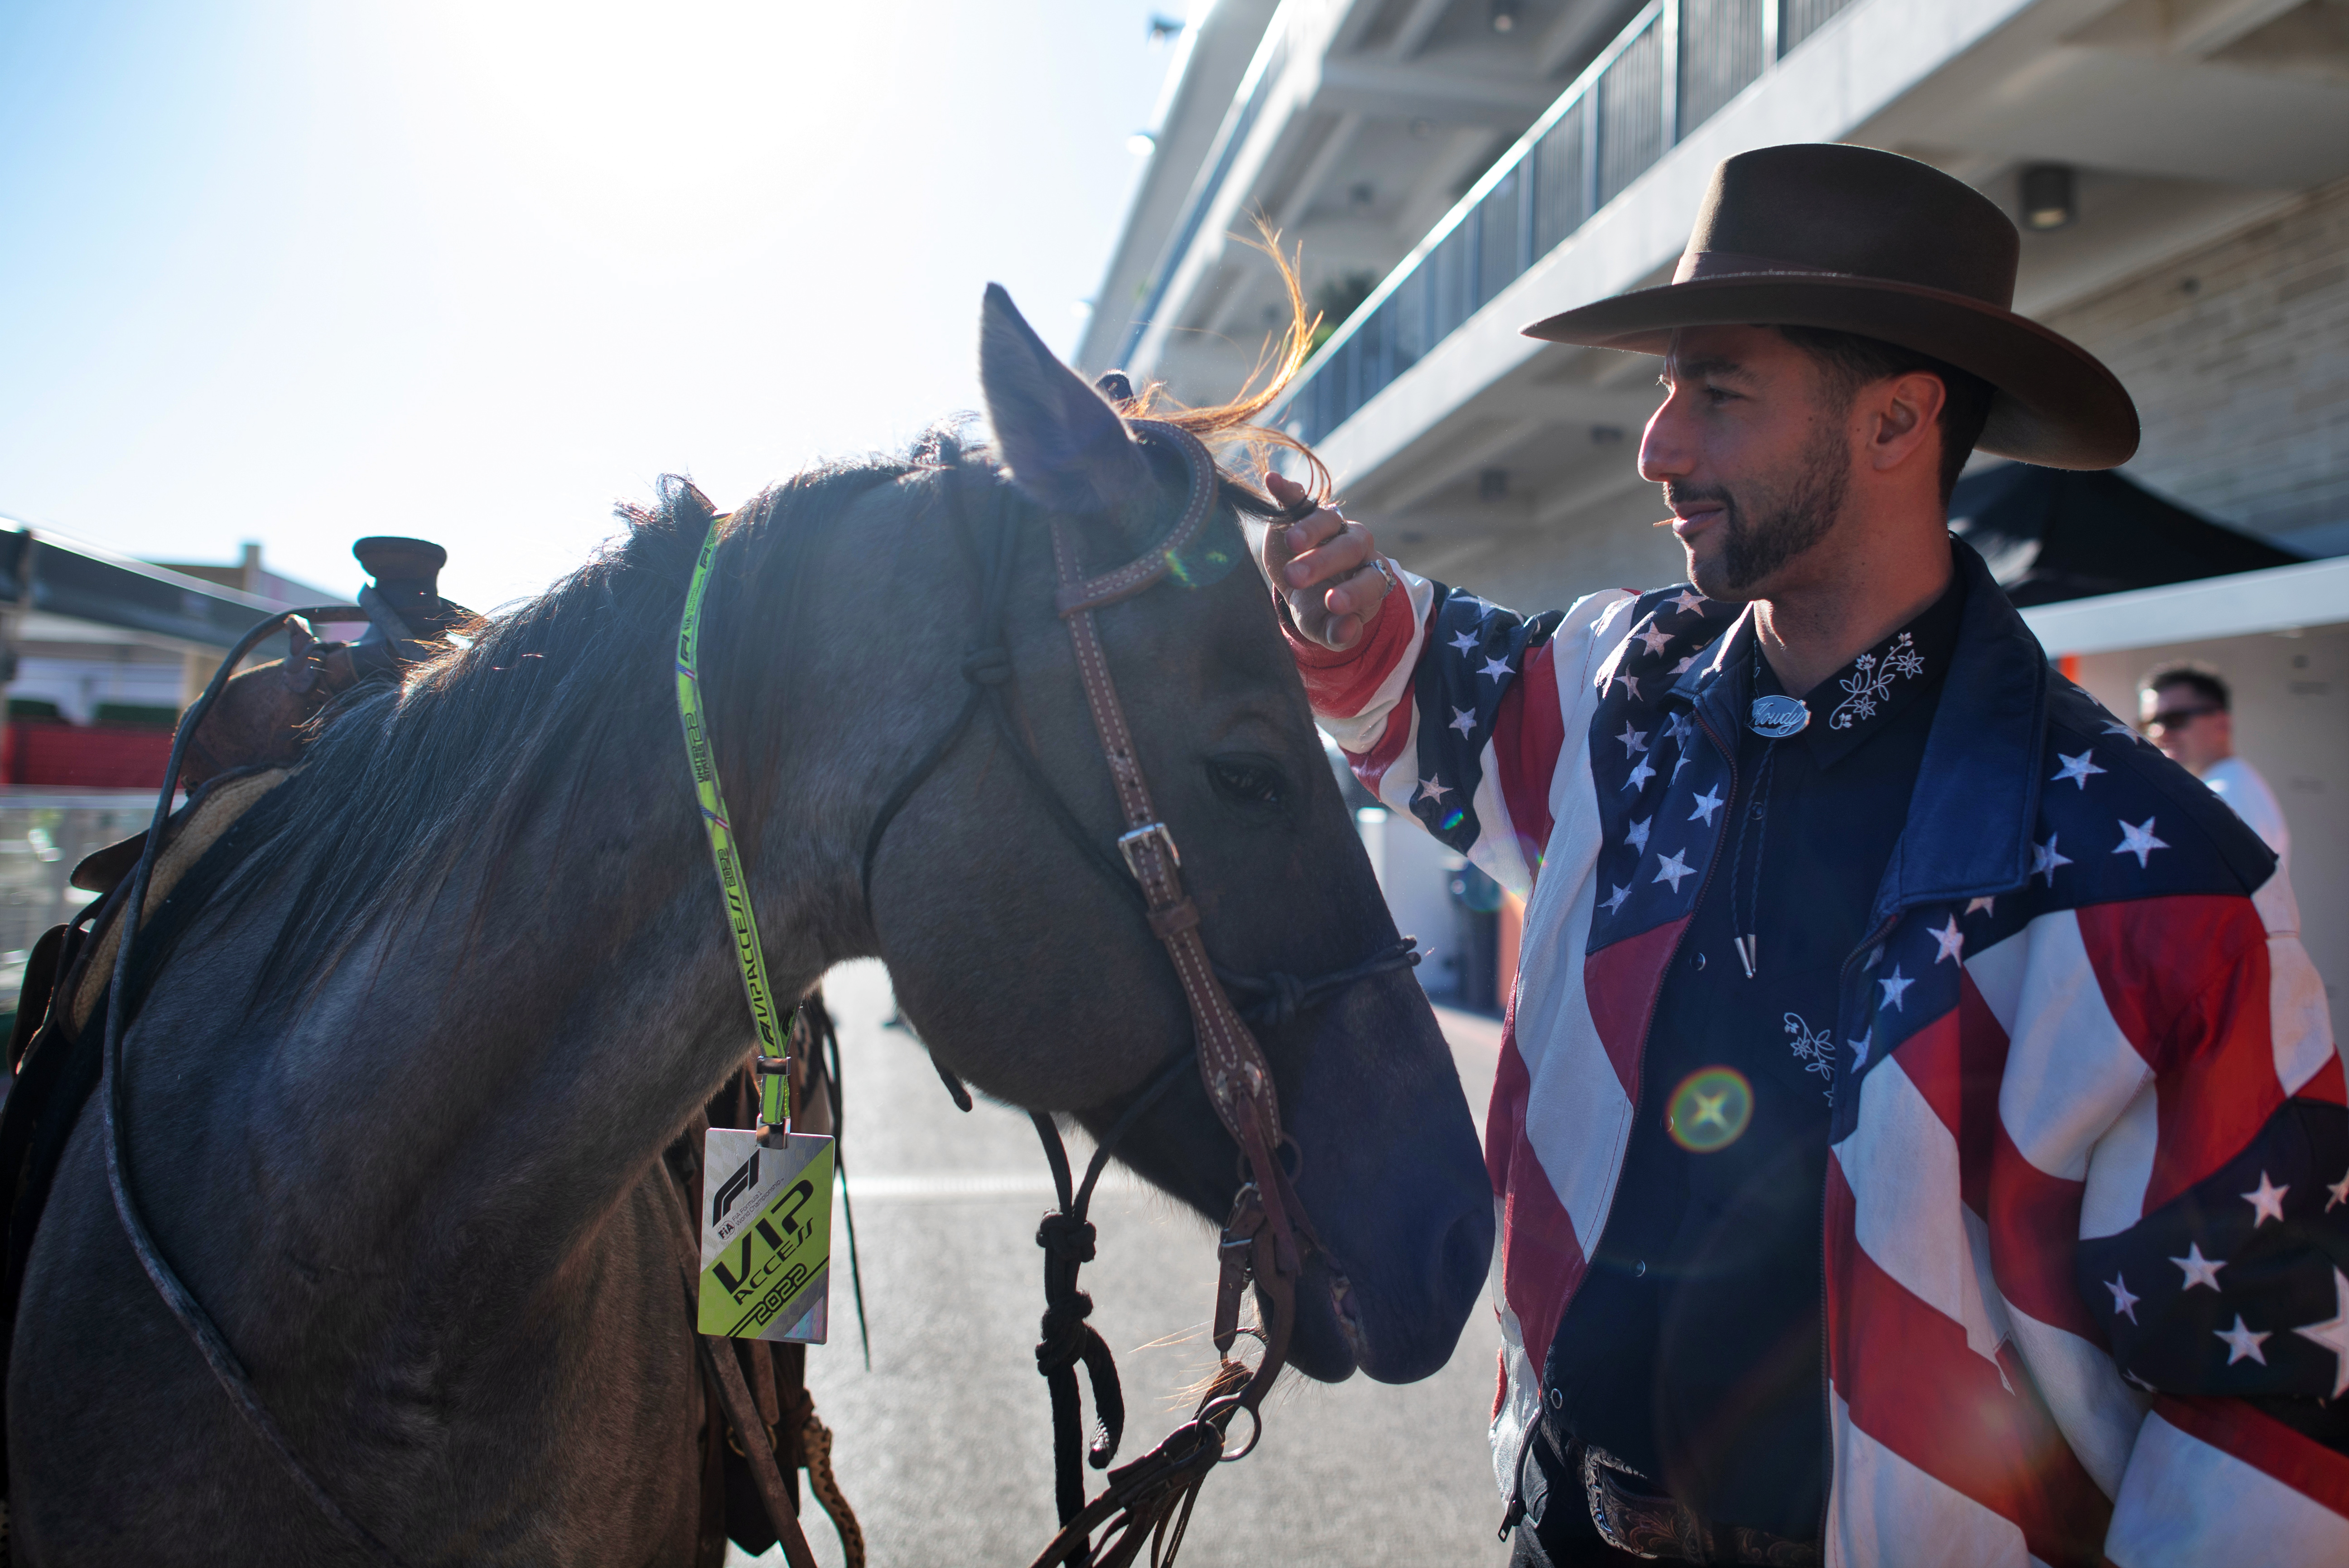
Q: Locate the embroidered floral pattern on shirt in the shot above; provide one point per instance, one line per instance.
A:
(1871, 680)
(1815, 1051)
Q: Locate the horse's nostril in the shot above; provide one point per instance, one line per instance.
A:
(1468, 1250)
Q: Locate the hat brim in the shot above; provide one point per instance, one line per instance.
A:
(2056, 405)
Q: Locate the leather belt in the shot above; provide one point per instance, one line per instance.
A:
(1648, 1524)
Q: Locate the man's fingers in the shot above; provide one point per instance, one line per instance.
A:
(1301, 533)
(1358, 595)
(1331, 557)
(1316, 528)
(1329, 568)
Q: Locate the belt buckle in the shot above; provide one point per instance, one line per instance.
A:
(1127, 843)
(1616, 1511)
(1653, 1526)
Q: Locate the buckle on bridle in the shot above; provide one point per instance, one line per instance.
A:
(1126, 843)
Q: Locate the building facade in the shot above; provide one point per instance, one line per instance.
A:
(1450, 170)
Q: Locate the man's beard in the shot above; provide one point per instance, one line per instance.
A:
(1784, 521)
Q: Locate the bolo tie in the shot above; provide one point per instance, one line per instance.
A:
(1774, 719)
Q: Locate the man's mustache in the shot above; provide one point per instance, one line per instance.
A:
(1678, 495)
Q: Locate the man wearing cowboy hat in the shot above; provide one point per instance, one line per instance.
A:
(1920, 1136)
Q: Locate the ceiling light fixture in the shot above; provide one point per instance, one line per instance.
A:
(2047, 198)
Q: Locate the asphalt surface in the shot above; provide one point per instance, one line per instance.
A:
(943, 1446)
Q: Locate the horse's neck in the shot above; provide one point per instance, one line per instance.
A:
(524, 1047)
(485, 1078)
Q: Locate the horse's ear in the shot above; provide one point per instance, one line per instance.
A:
(1064, 445)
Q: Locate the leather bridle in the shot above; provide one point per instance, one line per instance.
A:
(1266, 1233)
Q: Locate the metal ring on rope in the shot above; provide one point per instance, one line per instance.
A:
(1226, 1406)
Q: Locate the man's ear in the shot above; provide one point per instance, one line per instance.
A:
(1907, 419)
(1065, 446)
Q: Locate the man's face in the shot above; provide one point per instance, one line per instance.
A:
(1753, 449)
(2191, 729)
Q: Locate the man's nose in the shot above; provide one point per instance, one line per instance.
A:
(1665, 451)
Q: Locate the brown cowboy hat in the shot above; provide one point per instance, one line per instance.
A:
(1859, 241)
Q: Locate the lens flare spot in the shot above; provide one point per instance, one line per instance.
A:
(1710, 1109)
(1208, 558)
(1200, 568)
(1453, 821)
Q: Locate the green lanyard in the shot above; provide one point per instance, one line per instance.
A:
(774, 1079)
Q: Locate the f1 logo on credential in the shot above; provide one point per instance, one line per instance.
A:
(733, 1187)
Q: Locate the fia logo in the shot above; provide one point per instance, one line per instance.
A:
(744, 1178)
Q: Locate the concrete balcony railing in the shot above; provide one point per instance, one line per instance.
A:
(1264, 74)
(1676, 65)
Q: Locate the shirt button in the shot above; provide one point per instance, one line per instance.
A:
(1556, 1400)
(1641, 1272)
(1700, 961)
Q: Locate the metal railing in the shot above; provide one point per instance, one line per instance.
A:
(1676, 65)
(1264, 74)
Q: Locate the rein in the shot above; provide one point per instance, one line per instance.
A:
(198, 1325)
(1149, 1501)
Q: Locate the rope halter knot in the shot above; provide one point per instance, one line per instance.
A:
(989, 666)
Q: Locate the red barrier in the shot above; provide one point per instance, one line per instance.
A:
(84, 756)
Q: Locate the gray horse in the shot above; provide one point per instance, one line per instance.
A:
(397, 1093)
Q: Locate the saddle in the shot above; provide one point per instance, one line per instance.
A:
(250, 741)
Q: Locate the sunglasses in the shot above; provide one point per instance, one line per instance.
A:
(2177, 717)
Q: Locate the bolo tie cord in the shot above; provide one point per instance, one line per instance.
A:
(1746, 940)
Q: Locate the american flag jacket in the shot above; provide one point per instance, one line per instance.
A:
(2087, 1213)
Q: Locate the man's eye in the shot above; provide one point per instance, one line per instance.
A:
(1246, 782)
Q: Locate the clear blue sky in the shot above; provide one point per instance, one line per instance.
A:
(475, 269)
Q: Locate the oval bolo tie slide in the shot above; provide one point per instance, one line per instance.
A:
(1779, 717)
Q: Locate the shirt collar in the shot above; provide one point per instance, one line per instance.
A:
(1977, 790)
(1864, 696)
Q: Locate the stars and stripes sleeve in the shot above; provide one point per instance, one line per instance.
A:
(2170, 1182)
(2215, 1233)
(2086, 1250)
(1451, 710)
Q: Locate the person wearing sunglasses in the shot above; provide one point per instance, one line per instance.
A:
(2188, 712)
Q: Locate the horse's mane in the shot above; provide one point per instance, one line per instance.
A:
(404, 786)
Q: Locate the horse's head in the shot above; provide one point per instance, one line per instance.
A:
(1022, 954)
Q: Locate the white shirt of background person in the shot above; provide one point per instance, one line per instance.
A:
(2186, 713)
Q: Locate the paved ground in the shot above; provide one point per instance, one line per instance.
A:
(943, 1446)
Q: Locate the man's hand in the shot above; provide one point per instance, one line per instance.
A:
(1327, 570)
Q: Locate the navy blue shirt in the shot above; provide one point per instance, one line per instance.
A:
(1694, 1350)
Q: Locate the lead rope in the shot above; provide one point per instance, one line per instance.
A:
(1064, 1338)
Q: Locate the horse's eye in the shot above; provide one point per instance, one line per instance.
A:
(1246, 781)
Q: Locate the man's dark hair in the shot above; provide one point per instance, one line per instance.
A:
(1852, 361)
(2204, 683)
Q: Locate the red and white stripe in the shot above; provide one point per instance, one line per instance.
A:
(1560, 1116)
(2100, 1061)
(2214, 1481)
(1356, 691)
